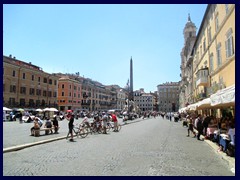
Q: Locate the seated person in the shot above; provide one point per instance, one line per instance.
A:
(231, 145)
(223, 128)
(231, 133)
(48, 124)
(213, 123)
(55, 125)
(35, 126)
(227, 138)
(40, 122)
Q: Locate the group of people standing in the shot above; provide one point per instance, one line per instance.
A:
(104, 117)
(200, 123)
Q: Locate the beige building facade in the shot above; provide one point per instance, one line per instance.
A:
(27, 85)
(212, 58)
(214, 51)
(79, 93)
(145, 101)
(168, 94)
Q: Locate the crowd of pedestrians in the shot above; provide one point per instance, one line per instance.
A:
(223, 134)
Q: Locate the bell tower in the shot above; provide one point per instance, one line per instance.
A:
(190, 29)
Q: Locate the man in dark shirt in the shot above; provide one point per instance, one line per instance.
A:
(55, 124)
(70, 118)
(199, 127)
(206, 121)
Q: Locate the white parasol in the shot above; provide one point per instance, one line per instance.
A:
(6, 109)
(53, 109)
(39, 110)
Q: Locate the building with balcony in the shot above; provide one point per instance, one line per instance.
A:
(119, 97)
(202, 77)
(70, 94)
(168, 96)
(27, 85)
(214, 51)
(145, 101)
(155, 101)
(209, 65)
(79, 93)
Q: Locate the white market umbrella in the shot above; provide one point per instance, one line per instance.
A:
(39, 110)
(6, 109)
(46, 109)
(53, 109)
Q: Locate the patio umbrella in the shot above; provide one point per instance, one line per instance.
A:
(46, 109)
(6, 109)
(53, 109)
(39, 110)
(20, 109)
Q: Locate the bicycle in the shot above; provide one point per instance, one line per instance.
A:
(79, 131)
(97, 127)
(110, 126)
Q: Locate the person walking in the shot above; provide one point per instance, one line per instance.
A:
(206, 121)
(104, 119)
(115, 121)
(70, 118)
(199, 127)
(55, 125)
(190, 126)
(20, 117)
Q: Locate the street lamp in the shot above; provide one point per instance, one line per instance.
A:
(128, 100)
(38, 94)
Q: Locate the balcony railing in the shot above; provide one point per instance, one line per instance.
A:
(201, 96)
(215, 87)
(202, 81)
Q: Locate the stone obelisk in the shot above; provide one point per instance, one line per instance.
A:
(131, 82)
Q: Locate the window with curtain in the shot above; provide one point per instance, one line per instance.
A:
(229, 43)
(219, 58)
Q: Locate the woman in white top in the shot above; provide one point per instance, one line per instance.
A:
(231, 133)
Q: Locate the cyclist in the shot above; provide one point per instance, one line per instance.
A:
(86, 121)
(96, 121)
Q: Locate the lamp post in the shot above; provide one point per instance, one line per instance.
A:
(128, 100)
(38, 104)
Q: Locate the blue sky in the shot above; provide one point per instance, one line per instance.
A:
(98, 41)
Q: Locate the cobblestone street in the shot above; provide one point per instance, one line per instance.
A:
(149, 147)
